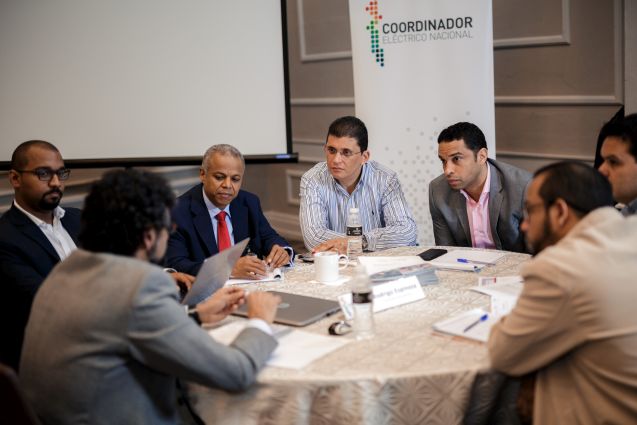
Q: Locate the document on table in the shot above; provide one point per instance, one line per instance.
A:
(275, 276)
(380, 264)
(510, 286)
(467, 259)
(473, 324)
(296, 348)
(504, 292)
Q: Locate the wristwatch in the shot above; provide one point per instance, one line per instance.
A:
(192, 313)
(364, 243)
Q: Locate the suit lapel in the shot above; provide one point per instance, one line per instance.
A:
(31, 231)
(495, 203)
(239, 216)
(459, 204)
(202, 223)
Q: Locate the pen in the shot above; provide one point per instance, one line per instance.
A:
(466, 261)
(481, 319)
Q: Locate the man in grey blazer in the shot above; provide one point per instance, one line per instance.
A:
(477, 201)
(107, 337)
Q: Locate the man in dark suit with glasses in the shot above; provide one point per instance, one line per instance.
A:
(35, 234)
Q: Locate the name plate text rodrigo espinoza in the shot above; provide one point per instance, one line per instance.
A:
(397, 292)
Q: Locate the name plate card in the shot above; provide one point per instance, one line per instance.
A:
(397, 292)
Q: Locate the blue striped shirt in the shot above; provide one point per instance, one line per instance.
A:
(386, 218)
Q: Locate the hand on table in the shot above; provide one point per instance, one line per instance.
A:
(337, 244)
(262, 305)
(220, 304)
(278, 257)
(249, 267)
(184, 281)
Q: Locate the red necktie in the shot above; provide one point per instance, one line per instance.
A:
(223, 236)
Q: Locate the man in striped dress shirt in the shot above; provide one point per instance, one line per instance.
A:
(348, 179)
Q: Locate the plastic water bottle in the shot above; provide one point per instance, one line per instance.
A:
(354, 234)
(362, 303)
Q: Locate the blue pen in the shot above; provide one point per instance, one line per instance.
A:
(473, 324)
(466, 261)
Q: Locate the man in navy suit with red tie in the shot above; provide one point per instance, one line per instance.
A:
(216, 214)
(35, 234)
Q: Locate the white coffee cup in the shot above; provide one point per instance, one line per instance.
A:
(326, 265)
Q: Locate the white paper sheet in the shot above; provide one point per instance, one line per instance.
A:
(296, 349)
(457, 324)
(467, 260)
(275, 276)
(510, 286)
(504, 292)
(380, 264)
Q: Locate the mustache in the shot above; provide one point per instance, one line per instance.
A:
(55, 190)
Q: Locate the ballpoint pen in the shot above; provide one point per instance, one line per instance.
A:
(473, 324)
(467, 261)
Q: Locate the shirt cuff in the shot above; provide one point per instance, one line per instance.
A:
(260, 324)
(291, 254)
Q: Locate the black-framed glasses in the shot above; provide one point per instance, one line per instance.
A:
(46, 174)
(346, 153)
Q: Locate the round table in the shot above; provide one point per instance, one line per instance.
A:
(406, 374)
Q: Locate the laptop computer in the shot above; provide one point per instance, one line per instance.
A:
(298, 310)
(214, 273)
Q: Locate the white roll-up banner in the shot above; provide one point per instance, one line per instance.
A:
(420, 66)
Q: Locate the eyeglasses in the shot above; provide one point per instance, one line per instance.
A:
(344, 152)
(46, 174)
(529, 208)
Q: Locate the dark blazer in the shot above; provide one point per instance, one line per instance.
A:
(506, 198)
(194, 239)
(26, 258)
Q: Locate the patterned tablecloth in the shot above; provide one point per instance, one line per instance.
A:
(406, 374)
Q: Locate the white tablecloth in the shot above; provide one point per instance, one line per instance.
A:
(406, 374)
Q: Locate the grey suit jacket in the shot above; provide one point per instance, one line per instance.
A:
(107, 337)
(506, 197)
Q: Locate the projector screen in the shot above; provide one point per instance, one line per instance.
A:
(143, 82)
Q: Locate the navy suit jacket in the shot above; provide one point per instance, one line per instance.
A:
(194, 239)
(26, 258)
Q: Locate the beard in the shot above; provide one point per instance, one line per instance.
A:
(153, 257)
(50, 204)
(546, 239)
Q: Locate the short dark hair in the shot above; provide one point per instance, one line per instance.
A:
(20, 159)
(471, 134)
(121, 207)
(581, 186)
(626, 130)
(349, 127)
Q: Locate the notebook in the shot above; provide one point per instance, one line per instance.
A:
(298, 310)
(214, 273)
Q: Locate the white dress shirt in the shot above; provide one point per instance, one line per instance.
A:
(55, 233)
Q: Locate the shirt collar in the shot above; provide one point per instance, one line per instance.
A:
(58, 213)
(360, 183)
(212, 208)
(630, 208)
